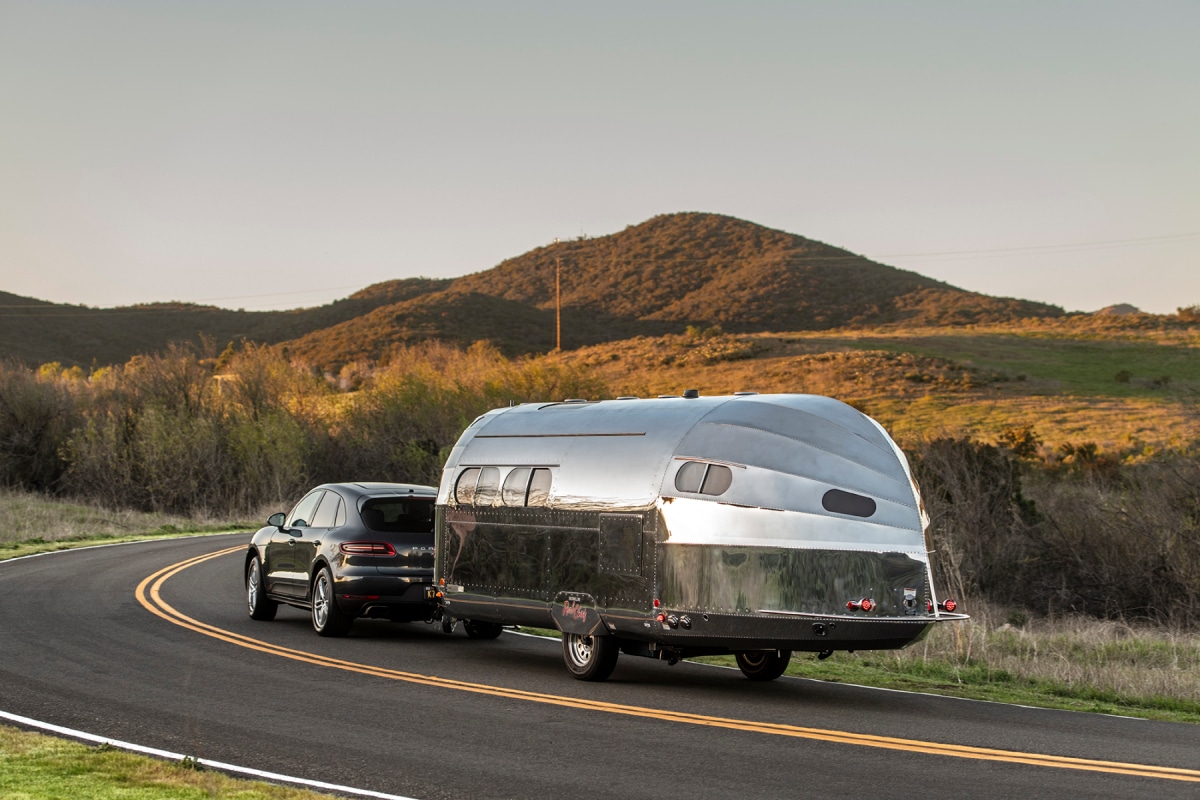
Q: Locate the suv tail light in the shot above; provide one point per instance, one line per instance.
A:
(367, 549)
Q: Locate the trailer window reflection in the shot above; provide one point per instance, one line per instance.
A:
(464, 490)
(539, 488)
(515, 485)
(487, 489)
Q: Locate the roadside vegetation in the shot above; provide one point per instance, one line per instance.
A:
(38, 767)
(31, 522)
(1058, 462)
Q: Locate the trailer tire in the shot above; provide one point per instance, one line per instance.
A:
(482, 630)
(763, 665)
(590, 658)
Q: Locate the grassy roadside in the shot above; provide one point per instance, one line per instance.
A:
(34, 766)
(1051, 664)
(31, 523)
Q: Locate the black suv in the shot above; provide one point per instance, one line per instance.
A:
(347, 550)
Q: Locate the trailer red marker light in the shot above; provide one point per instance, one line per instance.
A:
(949, 605)
(860, 605)
(656, 603)
(866, 604)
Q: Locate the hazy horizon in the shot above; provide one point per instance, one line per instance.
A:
(282, 155)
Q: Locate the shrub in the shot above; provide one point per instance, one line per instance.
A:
(37, 414)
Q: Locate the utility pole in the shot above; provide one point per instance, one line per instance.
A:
(558, 298)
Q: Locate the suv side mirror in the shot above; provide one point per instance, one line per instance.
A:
(277, 519)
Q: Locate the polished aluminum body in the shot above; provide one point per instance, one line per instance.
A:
(754, 519)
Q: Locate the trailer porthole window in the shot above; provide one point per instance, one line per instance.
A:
(690, 476)
(464, 490)
(539, 488)
(515, 486)
(840, 502)
(717, 479)
(701, 478)
(487, 489)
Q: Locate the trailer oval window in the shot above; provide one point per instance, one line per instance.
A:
(840, 502)
(487, 489)
(464, 490)
(701, 478)
(690, 476)
(515, 486)
(539, 488)
(717, 480)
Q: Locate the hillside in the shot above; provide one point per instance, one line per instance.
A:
(36, 332)
(708, 269)
(658, 277)
(1126, 391)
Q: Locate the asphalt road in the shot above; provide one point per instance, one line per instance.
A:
(411, 711)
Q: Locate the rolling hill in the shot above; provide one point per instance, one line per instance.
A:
(670, 272)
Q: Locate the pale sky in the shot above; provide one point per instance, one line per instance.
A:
(268, 155)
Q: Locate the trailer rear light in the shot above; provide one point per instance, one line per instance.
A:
(945, 605)
(661, 618)
(860, 605)
(367, 549)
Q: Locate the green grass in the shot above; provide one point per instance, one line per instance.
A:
(38, 767)
(1060, 365)
(977, 681)
(1112, 669)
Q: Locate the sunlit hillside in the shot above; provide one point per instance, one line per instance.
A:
(650, 279)
(1126, 391)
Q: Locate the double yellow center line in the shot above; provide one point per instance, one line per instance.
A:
(149, 595)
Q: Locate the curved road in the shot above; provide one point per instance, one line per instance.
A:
(116, 642)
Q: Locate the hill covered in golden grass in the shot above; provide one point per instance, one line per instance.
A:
(651, 279)
(659, 277)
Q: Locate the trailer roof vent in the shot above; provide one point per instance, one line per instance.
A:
(691, 393)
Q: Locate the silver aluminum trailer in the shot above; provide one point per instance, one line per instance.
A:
(750, 524)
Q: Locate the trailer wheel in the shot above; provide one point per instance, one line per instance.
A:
(763, 665)
(590, 658)
(482, 630)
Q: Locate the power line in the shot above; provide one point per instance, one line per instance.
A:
(1050, 247)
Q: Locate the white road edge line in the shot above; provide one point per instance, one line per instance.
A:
(234, 768)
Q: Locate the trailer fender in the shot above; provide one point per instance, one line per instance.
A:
(576, 612)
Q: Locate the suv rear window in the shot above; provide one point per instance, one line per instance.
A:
(398, 514)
